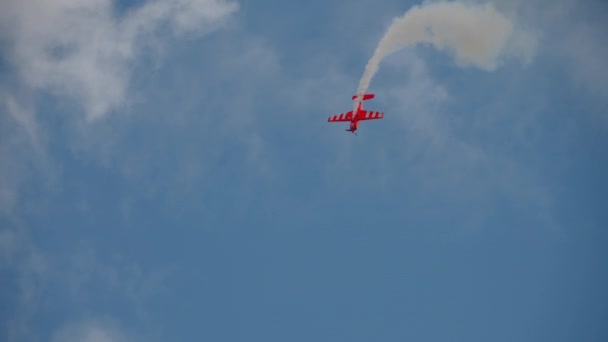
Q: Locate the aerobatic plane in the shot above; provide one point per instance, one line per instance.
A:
(360, 114)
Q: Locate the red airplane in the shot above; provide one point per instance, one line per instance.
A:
(359, 116)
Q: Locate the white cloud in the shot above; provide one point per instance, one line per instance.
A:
(84, 50)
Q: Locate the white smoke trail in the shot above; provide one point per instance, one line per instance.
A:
(477, 35)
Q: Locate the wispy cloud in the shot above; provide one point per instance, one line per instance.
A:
(77, 279)
(22, 150)
(84, 52)
(30, 273)
(570, 32)
(93, 330)
(84, 49)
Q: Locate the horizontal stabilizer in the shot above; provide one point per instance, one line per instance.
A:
(365, 97)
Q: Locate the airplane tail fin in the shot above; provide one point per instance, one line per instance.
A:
(365, 97)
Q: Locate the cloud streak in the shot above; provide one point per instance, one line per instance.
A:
(475, 35)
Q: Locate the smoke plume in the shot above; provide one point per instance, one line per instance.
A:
(476, 35)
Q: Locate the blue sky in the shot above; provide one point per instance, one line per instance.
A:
(167, 173)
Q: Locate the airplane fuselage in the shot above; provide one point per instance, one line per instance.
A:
(353, 126)
(354, 122)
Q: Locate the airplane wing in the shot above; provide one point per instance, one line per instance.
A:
(370, 115)
(341, 117)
